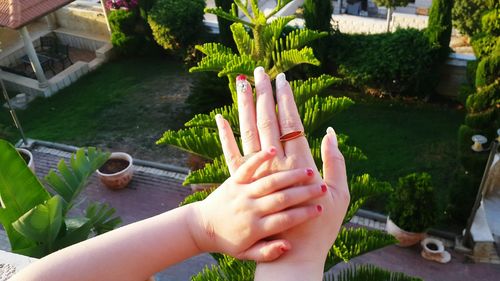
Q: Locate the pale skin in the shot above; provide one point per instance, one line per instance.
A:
(260, 128)
(233, 220)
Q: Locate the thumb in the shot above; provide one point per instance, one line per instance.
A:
(334, 171)
(265, 251)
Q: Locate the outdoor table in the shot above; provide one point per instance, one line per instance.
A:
(45, 61)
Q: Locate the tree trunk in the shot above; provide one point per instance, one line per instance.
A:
(389, 18)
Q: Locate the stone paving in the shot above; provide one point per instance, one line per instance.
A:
(153, 191)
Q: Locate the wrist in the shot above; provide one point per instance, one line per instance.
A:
(197, 228)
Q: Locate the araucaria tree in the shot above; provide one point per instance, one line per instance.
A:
(260, 41)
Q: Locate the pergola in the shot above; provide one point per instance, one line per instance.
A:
(16, 14)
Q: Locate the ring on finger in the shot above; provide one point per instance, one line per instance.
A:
(292, 135)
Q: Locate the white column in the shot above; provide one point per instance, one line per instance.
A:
(35, 63)
(51, 21)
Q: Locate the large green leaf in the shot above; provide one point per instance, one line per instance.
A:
(20, 190)
(71, 180)
(201, 141)
(366, 272)
(101, 217)
(42, 223)
(78, 230)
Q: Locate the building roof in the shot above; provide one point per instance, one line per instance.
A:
(17, 13)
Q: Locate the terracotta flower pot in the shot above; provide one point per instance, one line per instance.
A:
(28, 158)
(117, 172)
(405, 238)
(433, 250)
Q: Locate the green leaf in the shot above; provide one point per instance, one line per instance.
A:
(42, 223)
(20, 191)
(201, 141)
(213, 173)
(352, 242)
(71, 180)
(318, 111)
(285, 60)
(243, 64)
(228, 269)
(242, 39)
(78, 230)
(230, 113)
(304, 90)
(214, 62)
(196, 196)
(210, 49)
(350, 153)
(299, 38)
(101, 218)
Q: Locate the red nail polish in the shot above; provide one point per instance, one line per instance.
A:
(323, 188)
(241, 77)
(309, 172)
(272, 150)
(319, 208)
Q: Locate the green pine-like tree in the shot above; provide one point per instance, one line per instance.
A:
(260, 41)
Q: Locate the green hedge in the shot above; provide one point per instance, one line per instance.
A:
(488, 70)
(439, 27)
(398, 63)
(466, 15)
(177, 24)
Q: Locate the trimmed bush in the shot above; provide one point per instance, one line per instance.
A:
(466, 15)
(488, 70)
(412, 204)
(398, 63)
(439, 26)
(177, 24)
(318, 14)
(484, 44)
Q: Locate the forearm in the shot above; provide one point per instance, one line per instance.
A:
(282, 269)
(132, 252)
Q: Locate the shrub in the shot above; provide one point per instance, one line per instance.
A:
(177, 24)
(398, 63)
(412, 205)
(488, 70)
(462, 196)
(466, 15)
(484, 44)
(439, 26)
(318, 14)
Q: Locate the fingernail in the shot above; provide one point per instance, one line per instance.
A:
(280, 81)
(241, 84)
(219, 120)
(259, 72)
(319, 208)
(323, 188)
(333, 136)
(309, 172)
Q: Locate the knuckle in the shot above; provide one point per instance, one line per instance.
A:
(281, 198)
(290, 125)
(248, 135)
(265, 124)
(285, 220)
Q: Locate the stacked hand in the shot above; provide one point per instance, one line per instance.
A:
(260, 130)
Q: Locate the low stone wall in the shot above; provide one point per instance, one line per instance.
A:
(356, 24)
(84, 19)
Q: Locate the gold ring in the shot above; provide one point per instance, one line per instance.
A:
(292, 135)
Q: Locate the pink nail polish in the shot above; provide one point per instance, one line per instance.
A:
(323, 188)
(272, 150)
(309, 172)
(319, 208)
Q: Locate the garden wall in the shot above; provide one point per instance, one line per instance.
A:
(356, 24)
(88, 19)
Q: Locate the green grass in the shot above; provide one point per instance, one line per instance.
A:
(403, 137)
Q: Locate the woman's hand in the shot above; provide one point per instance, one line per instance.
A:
(260, 129)
(241, 212)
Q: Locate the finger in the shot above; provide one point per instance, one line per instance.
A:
(267, 124)
(280, 180)
(289, 119)
(334, 170)
(279, 222)
(228, 143)
(289, 197)
(246, 111)
(247, 171)
(265, 251)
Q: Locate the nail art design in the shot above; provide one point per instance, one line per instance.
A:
(241, 84)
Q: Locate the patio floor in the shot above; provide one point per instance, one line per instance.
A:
(154, 190)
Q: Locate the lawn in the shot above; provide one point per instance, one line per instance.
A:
(127, 105)
(124, 105)
(403, 137)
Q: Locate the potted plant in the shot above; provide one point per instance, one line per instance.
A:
(412, 209)
(117, 171)
(27, 157)
(433, 250)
